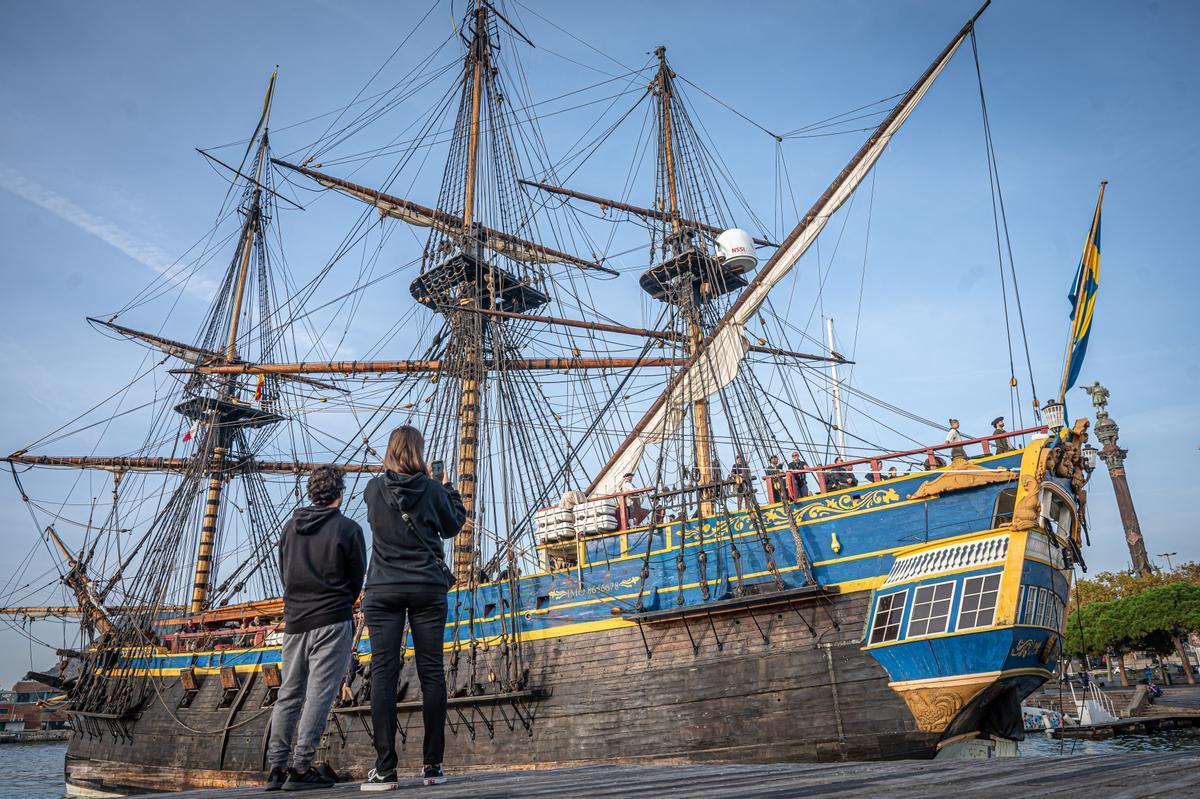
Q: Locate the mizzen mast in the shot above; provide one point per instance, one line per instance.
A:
(223, 414)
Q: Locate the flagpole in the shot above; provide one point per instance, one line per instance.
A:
(1080, 278)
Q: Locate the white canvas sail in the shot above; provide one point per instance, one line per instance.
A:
(727, 341)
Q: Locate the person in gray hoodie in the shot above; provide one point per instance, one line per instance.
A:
(322, 559)
(410, 515)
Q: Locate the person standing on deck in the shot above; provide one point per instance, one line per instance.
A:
(774, 474)
(410, 514)
(1000, 445)
(742, 480)
(322, 559)
(635, 514)
(797, 480)
(954, 437)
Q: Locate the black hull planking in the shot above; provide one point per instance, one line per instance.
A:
(775, 683)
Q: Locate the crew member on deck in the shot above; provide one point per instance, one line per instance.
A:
(954, 437)
(742, 481)
(840, 478)
(1001, 445)
(797, 480)
(635, 514)
(774, 474)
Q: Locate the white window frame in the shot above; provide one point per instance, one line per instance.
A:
(903, 600)
(1028, 603)
(983, 581)
(949, 608)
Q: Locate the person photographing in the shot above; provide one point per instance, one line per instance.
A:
(410, 514)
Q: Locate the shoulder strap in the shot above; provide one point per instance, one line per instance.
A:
(412, 528)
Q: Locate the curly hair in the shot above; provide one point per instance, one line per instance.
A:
(325, 485)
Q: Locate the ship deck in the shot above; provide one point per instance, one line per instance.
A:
(1111, 776)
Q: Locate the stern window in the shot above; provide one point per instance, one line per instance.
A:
(979, 601)
(931, 609)
(1006, 500)
(887, 617)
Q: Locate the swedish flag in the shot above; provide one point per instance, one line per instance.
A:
(1083, 301)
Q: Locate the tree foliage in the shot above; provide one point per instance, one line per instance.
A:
(1149, 620)
(1107, 586)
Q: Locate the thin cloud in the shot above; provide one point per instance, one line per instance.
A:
(144, 252)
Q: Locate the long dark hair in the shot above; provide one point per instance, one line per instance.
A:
(405, 451)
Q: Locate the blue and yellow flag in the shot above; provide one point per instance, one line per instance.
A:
(1083, 301)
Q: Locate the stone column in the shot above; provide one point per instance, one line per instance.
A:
(1114, 457)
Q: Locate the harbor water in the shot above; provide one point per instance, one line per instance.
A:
(35, 770)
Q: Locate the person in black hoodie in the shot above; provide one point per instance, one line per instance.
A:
(410, 514)
(322, 560)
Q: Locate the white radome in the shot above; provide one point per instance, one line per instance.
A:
(735, 249)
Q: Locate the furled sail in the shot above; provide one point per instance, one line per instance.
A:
(711, 368)
(412, 213)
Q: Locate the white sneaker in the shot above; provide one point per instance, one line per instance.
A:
(379, 782)
(433, 775)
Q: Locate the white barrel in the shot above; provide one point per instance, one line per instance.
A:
(735, 249)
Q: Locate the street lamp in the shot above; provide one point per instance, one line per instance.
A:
(1168, 556)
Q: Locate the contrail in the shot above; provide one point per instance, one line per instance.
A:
(146, 253)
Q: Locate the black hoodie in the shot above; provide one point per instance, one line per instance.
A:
(400, 562)
(322, 559)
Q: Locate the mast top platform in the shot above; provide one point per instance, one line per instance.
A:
(228, 414)
(690, 276)
(465, 275)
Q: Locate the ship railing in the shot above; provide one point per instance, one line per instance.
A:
(875, 463)
(789, 481)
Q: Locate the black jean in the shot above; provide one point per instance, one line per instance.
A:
(384, 612)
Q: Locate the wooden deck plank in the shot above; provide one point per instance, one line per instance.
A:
(1123, 776)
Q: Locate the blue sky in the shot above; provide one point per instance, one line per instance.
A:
(100, 187)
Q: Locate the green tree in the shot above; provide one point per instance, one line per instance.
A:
(1106, 586)
(1158, 617)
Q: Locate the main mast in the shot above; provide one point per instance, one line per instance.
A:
(469, 327)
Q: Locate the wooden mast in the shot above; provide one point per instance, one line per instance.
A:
(648, 213)
(91, 609)
(216, 480)
(701, 423)
(472, 384)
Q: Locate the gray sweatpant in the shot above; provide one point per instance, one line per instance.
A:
(314, 664)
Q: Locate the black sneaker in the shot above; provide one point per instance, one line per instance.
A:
(433, 775)
(276, 779)
(306, 780)
(379, 782)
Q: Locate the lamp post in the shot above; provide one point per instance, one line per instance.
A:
(1114, 457)
(1168, 556)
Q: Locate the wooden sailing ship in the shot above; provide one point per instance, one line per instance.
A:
(687, 619)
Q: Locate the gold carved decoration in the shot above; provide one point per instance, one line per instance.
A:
(961, 474)
(1028, 506)
(934, 707)
(1064, 460)
(846, 503)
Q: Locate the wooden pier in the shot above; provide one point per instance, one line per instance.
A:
(1124, 776)
(1126, 726)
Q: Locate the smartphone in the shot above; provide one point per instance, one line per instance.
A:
(437, 471)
